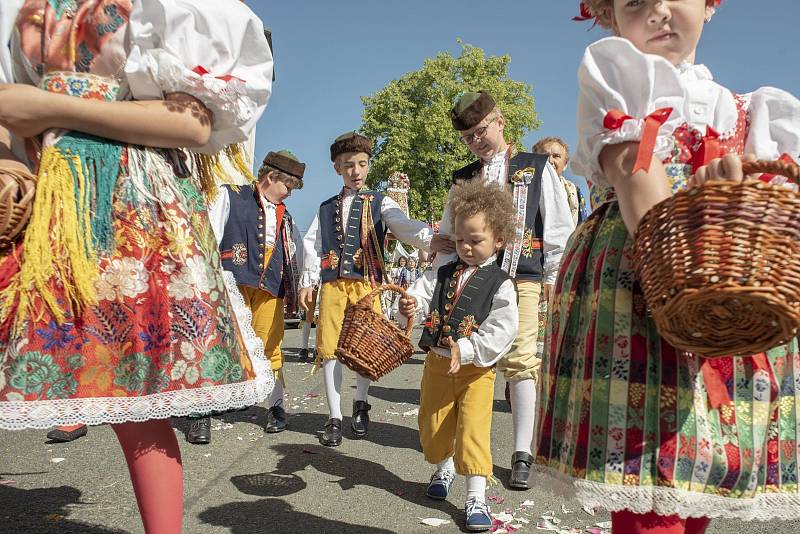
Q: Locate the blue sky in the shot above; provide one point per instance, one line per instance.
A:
(329, 54)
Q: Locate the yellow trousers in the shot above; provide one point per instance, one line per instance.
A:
(523, 360)
(335, 297)
(267, 322)
(455, 415)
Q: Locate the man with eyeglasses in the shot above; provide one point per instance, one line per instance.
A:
(532, 258)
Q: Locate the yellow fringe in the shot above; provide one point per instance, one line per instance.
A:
(212, 173)
(57, 243)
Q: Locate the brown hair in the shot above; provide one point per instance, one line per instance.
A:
(474, 196)
(538, 148)
(292, 182)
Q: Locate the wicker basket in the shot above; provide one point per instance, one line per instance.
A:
(370, 344)
(719, 264)
(16, 202)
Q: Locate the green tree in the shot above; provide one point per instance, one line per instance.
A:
(410, 120)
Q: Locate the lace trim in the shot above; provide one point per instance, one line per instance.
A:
(671, 501)
(18, 415)
(226, 98)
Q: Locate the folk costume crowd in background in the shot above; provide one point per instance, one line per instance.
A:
(152, 278)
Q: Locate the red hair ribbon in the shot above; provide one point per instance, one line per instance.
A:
(614, 120)
(585, 14)
(709, 149)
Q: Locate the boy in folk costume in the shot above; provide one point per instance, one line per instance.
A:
(531, 258)
(472, 321)
(343, 251)
(260, 244)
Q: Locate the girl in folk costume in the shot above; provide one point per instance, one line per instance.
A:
(662, 438)
(113, 308)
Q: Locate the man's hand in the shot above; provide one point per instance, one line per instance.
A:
(306, 296)
(442, 244)
(407, 306)
(455, 357)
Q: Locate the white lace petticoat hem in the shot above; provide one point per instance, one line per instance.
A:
(19, 415)
(672, 501)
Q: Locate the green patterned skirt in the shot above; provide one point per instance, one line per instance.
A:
(626, 421)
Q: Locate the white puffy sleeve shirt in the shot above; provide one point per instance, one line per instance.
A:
(214, 50)
(614, 74)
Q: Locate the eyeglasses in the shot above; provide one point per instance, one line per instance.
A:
(480, 133)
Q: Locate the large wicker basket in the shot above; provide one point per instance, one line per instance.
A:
(16, 202)
(719, 264)
(370, 344)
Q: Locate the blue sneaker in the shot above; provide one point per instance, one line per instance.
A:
(478, 516)
(440, 484)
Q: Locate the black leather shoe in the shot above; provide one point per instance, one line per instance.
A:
(276, 420)
(304, 353)
(332, 436)
(64, 436)
(521, 463)
(360, 422)
(199, 431)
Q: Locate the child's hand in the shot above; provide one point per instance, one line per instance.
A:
(728, 167)
(407, 306)
(305, 297)
(455, 357)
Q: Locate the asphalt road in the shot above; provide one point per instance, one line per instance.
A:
(248, 482)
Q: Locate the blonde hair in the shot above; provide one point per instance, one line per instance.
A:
(475, 196)
(540, 145)
(292, 182)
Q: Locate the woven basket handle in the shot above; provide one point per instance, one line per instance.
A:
(781, 168)
(369, 297)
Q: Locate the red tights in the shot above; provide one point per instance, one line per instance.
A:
(154, 463)
(626, 522)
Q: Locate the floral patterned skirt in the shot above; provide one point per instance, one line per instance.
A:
(162, 339)
(626, 421)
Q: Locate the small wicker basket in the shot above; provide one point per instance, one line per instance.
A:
(370, 344)
(17, 190)
(719, 264)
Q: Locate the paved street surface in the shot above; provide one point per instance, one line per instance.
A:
(247, 482)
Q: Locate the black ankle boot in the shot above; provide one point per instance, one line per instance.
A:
(521, 463)
(276, 420)
(360, 422)
(199, 431)
(332, 436)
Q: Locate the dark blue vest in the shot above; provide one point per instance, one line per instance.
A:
(460, 318)
(531, 260)
(342, 255)
(243, 244)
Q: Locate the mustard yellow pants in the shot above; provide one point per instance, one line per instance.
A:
(267, 322)
(455, 415)
(335, 297)
(523, 360)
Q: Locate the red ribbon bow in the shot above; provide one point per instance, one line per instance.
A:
(585, 14)
(709, 149)
(614, 120)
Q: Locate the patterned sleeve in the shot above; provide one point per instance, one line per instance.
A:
(616, 80)
(214, 50)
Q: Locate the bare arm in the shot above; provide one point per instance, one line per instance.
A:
(637, 192)
(178, 121)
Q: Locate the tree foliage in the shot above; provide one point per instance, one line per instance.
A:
(410, 120)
